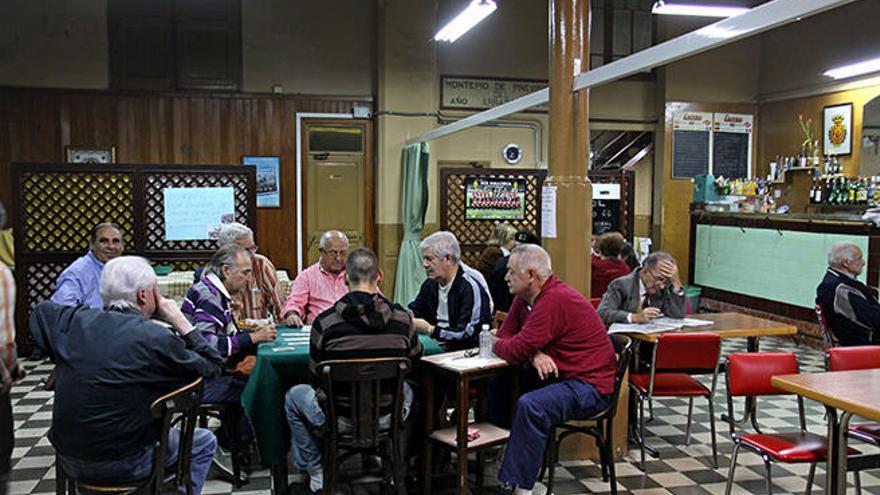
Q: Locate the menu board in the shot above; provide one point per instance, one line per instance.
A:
(690, 144)
(606, 208)
(730, 155)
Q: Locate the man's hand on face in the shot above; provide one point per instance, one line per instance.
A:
(544, 365)
(293, 320)
(168, 311)
(645, 315)
(265, 333)
(669, 270)
(423, 326)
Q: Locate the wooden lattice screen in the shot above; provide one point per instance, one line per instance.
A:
(57, 205)
(473, 234)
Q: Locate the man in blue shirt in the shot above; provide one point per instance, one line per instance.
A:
(79, 282)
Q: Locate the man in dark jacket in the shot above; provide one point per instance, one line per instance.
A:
(451, 304)
(851, 311)
(651, 291)
(110, 365)
(362, 324)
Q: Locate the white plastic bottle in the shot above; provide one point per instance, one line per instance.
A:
(485, 342)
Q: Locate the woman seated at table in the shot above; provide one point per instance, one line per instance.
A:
(606, 263)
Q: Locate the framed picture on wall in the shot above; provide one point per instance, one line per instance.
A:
(837, 129)
(268, 179)
(90, 154)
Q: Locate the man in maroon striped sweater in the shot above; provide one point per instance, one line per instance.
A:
(555, 329)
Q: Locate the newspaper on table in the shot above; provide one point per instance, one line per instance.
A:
(658, 325)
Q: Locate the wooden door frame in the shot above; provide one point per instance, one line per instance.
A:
(306, 118)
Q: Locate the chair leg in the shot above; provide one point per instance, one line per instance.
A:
(857, 480)
(553, 453)
(769, 478)
(810, 478)
(234, 419)
(650, 410)
(712, 428)
(60, 478)
(550, 441)
(687, 430)
(732, 468)
(642, 431)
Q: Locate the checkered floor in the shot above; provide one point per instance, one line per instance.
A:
(679, 470)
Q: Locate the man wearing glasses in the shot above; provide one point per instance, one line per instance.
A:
(319, 286)
(649, 292)
(261, 296)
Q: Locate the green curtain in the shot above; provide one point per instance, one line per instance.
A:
(413, 205)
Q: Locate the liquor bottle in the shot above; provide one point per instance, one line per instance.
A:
(862, 192)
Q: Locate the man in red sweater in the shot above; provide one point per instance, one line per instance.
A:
(553, 327)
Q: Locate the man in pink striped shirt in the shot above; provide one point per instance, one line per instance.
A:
(319, 286)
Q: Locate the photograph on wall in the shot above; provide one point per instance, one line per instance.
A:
(268, 179)
(494, 199)
(837, 129)
(90, 154)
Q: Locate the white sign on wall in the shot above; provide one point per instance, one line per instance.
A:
(473, 93)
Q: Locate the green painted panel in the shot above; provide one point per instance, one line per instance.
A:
(783, 266)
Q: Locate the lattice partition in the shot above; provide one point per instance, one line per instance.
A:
(473, 234)
(57, 205)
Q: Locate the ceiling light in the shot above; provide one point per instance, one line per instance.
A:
(468, 18)
(661, 7)
(854, 69)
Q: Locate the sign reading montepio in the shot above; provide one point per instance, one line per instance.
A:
(474, 93)
(494, 199)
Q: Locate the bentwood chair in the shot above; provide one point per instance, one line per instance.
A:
(362, 401)
(828, 338)
(676, 357)
(228, 414)
(602, 428)
(748, 375)
(176, 409)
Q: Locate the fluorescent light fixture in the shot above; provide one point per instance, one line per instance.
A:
(661, 7)
(468, 18)
(857, 69)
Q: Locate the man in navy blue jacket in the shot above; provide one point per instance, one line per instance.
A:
(452, 304)
(851, 311)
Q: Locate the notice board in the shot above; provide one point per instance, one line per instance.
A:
(691, 132)
(731, 144)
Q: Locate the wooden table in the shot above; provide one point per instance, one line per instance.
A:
(732, 325)
(456, 437)
(852, 393)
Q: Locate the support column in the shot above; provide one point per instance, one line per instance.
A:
(569, 146)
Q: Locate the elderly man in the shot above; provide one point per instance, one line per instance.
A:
(553, 327)
(452, 304)
(79, 282)
(110, 365)
(850, 309)
(261, 296)
(319, 286)
(207, 305)
(10, 371)
(361, 324)
(651, 291)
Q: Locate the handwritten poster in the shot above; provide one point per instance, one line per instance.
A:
(194, 213)
(548, 212)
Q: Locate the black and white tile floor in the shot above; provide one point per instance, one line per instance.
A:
(680, 470)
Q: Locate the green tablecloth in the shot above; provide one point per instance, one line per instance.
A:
(281, 365)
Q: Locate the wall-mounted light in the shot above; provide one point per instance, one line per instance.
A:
(856, 69)
(468, 18)
(675, 8)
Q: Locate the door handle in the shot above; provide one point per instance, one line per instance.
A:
(336, 177)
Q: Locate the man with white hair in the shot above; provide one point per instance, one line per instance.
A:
(851, 311)
(452, 303)
(555, 329)
(261, 296)
(319, 286)
(110, 365)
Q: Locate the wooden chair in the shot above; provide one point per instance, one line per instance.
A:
(603, 428)
(676, 356)
(228, 414)
(827, 335)
(748, 375)
(358, 396)
(176, 409)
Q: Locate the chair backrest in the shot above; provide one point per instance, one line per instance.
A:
(595, 301)
(861, 357)
(691, 351)
(749, 373)
(363, 390)
(498, 318)
(827, 335)
(176, 409)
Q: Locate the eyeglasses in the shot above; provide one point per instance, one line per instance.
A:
(657, 278)
(342, 253)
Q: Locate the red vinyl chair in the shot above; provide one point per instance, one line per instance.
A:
(827, 336)
(748, 375)
(595, 301)
(676, 356)
(862, 357)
